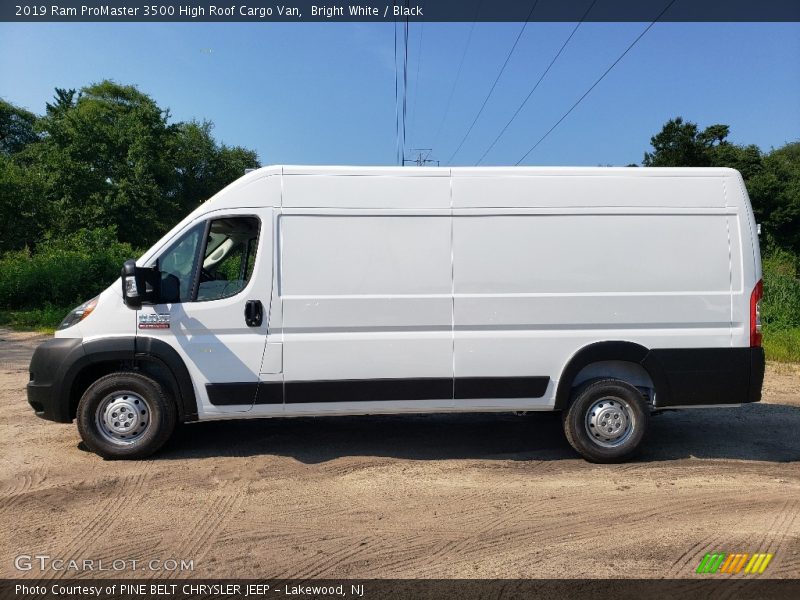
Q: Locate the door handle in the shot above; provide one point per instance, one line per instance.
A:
(253, 313)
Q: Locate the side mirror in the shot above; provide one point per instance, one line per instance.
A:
(139, 285)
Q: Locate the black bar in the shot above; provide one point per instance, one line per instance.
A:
(231, 394)
(709, 586)
(369, 390)
(500, 387)
(366, 390)
(384, 11)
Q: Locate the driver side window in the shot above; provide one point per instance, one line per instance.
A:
(210, 261)
(228, 258)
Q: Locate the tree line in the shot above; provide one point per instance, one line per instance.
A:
(107, 154)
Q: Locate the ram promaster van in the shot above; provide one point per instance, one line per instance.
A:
(603, 293)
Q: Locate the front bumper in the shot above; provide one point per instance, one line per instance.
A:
(47, 393)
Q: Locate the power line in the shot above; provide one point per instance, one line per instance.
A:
(416, 84)
(405, 81)
(396, 101)
(536, 85)
(491, 90)
(458, 73)
(606, 72)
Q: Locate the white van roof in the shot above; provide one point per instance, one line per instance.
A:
(300, 186)
(490, 171)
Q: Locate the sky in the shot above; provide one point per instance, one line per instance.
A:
(324, 93)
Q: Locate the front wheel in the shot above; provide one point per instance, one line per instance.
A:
(607, 420)
(125, 415)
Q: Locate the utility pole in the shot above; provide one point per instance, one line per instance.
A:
(422, 159)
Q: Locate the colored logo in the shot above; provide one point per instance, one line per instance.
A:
(725, 562)
(153, 321)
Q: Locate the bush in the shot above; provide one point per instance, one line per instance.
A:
(44, 319)
(62, 272)
(780, 308)
(782, 345)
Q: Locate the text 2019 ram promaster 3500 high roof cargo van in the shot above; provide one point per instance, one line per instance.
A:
(604, 293)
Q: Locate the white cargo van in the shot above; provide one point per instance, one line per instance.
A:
(604, 293)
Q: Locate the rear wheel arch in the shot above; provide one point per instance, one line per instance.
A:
(627, 371)
(626, 361)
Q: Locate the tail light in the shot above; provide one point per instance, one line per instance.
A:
(755, 314)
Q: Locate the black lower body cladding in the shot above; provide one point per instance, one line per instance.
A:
(57, 363)
(366, 390)
(50, 361)
(682, 377)
(706, 376)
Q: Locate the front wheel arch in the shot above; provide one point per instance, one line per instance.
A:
(151, 356)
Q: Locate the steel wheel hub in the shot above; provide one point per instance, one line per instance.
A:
(609, 422)
(123, 417)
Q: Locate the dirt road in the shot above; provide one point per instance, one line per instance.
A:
(412, 496)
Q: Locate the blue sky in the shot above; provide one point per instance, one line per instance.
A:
(323, 93)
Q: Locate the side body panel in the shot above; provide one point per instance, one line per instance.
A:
(365, 294)
(645, 261)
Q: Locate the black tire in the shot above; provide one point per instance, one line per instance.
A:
(147, 416)
(616, 414)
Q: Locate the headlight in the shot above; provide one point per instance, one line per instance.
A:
(78, 314)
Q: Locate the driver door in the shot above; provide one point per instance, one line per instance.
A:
(218, 276)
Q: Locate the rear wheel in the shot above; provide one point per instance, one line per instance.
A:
(607, 420)
(125, 415)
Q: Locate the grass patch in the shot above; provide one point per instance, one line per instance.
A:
(782, 345)
(44, 319)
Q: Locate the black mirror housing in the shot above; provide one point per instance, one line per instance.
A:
(170, 288)
(140, 285)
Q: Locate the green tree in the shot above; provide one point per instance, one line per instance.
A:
(112, 157)
(17, 128)
(203, 167)
(775, 193)
(104, 153)
(64, 101)
(682, 144)
(21, 204)
(21, 192)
